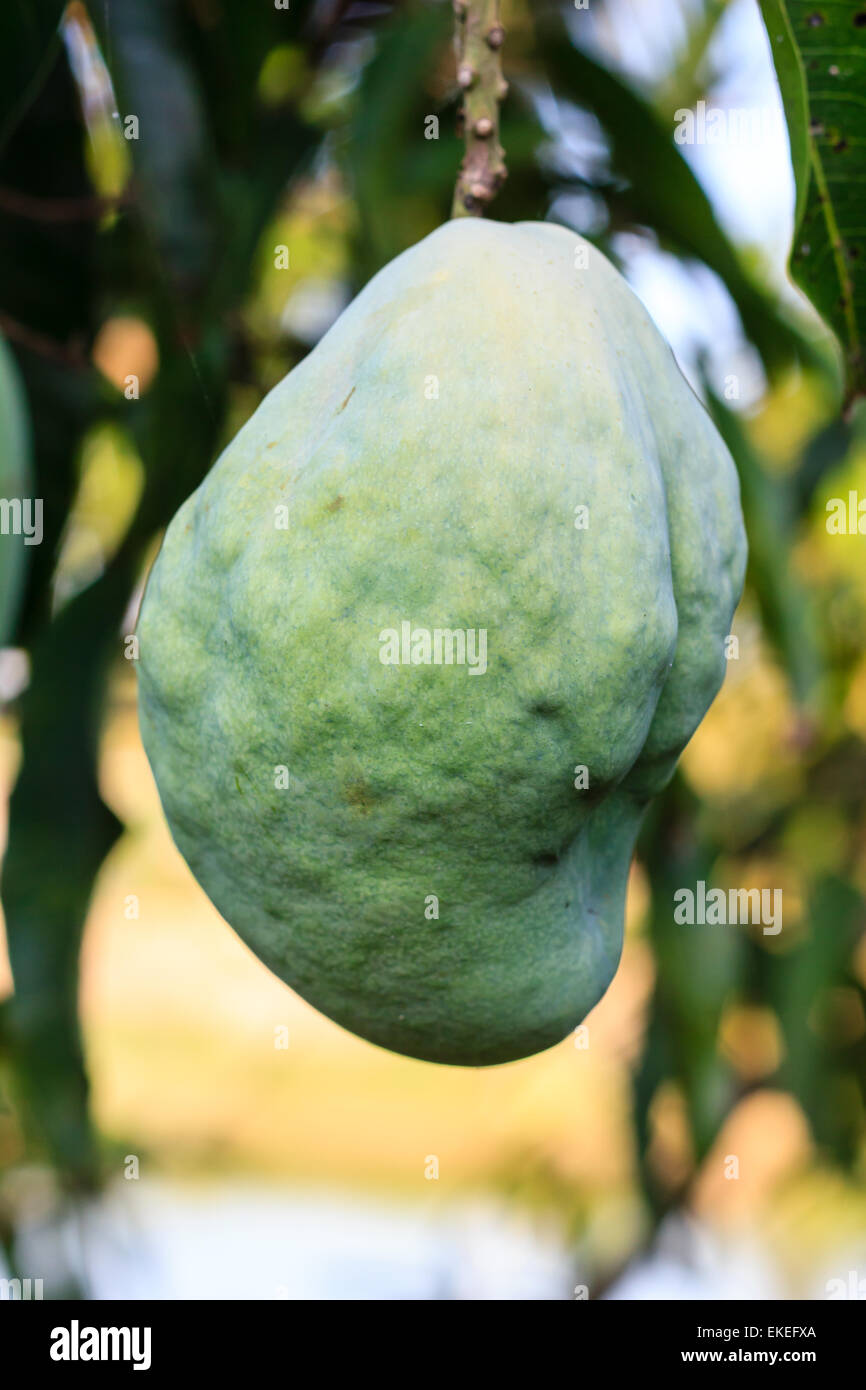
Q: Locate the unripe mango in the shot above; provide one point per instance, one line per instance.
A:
(431, 633)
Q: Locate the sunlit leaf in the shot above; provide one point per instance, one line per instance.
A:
(771, 510)
(792, 81)
(820, 56)
(662, 192)
(386, 136)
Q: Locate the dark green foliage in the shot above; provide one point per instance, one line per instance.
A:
(28, 46)
(820, 56)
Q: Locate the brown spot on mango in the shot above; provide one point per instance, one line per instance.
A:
(359, 796)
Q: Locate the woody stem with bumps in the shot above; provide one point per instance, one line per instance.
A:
(478, 42)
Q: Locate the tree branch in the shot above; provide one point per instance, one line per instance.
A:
(478, 40)
(58, 209)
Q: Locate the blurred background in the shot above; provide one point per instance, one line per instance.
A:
(190, 191)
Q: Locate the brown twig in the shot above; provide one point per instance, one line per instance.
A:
(478, 40)
(39, 209)
(71, 354)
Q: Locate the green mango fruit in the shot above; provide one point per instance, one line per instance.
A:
(492, 443)
(15, 478)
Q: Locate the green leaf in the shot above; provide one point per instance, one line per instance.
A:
(28, 47)
(663, 192)
(771, 509)
(815, 1069)
(45, 910)
(386, 136)
(699, 970)
(172, 150)
(820, 54)
(792, 81)
(47, 228)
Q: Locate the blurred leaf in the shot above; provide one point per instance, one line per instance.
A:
(663, 193)
(63, 402)
(56, 802)
(820, 56)
(792, 82)
(177, 426)
(47, 294)
(48, 225)
(28, 45)
(260, 145)
(172, 152)
(386, 136)
(816, 1076)
(48, 235)
(694, 70)
(699, 967)
(228, 52)
(824, 451)
(771, 513)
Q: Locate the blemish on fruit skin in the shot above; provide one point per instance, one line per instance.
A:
(546, 859)
(346, 401)
(336, 504)
(545, 709)
(358, 795)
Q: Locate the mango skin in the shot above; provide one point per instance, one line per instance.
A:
(15, 482)
(260, 646)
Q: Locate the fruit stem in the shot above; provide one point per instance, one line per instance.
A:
(478, 39)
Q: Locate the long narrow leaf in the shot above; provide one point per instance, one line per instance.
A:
(820, 56)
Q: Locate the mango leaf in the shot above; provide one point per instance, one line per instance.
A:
(45, 912)
(699, 969)
(823, 452)
(816, 1068)
(47, 287)
(386, 135)
(792, 81)
(820, 55)
(163, 119)
(261, 145)
(771, 508)
(664, 194)
(28, 47)
(158, 253)
(48, 222)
